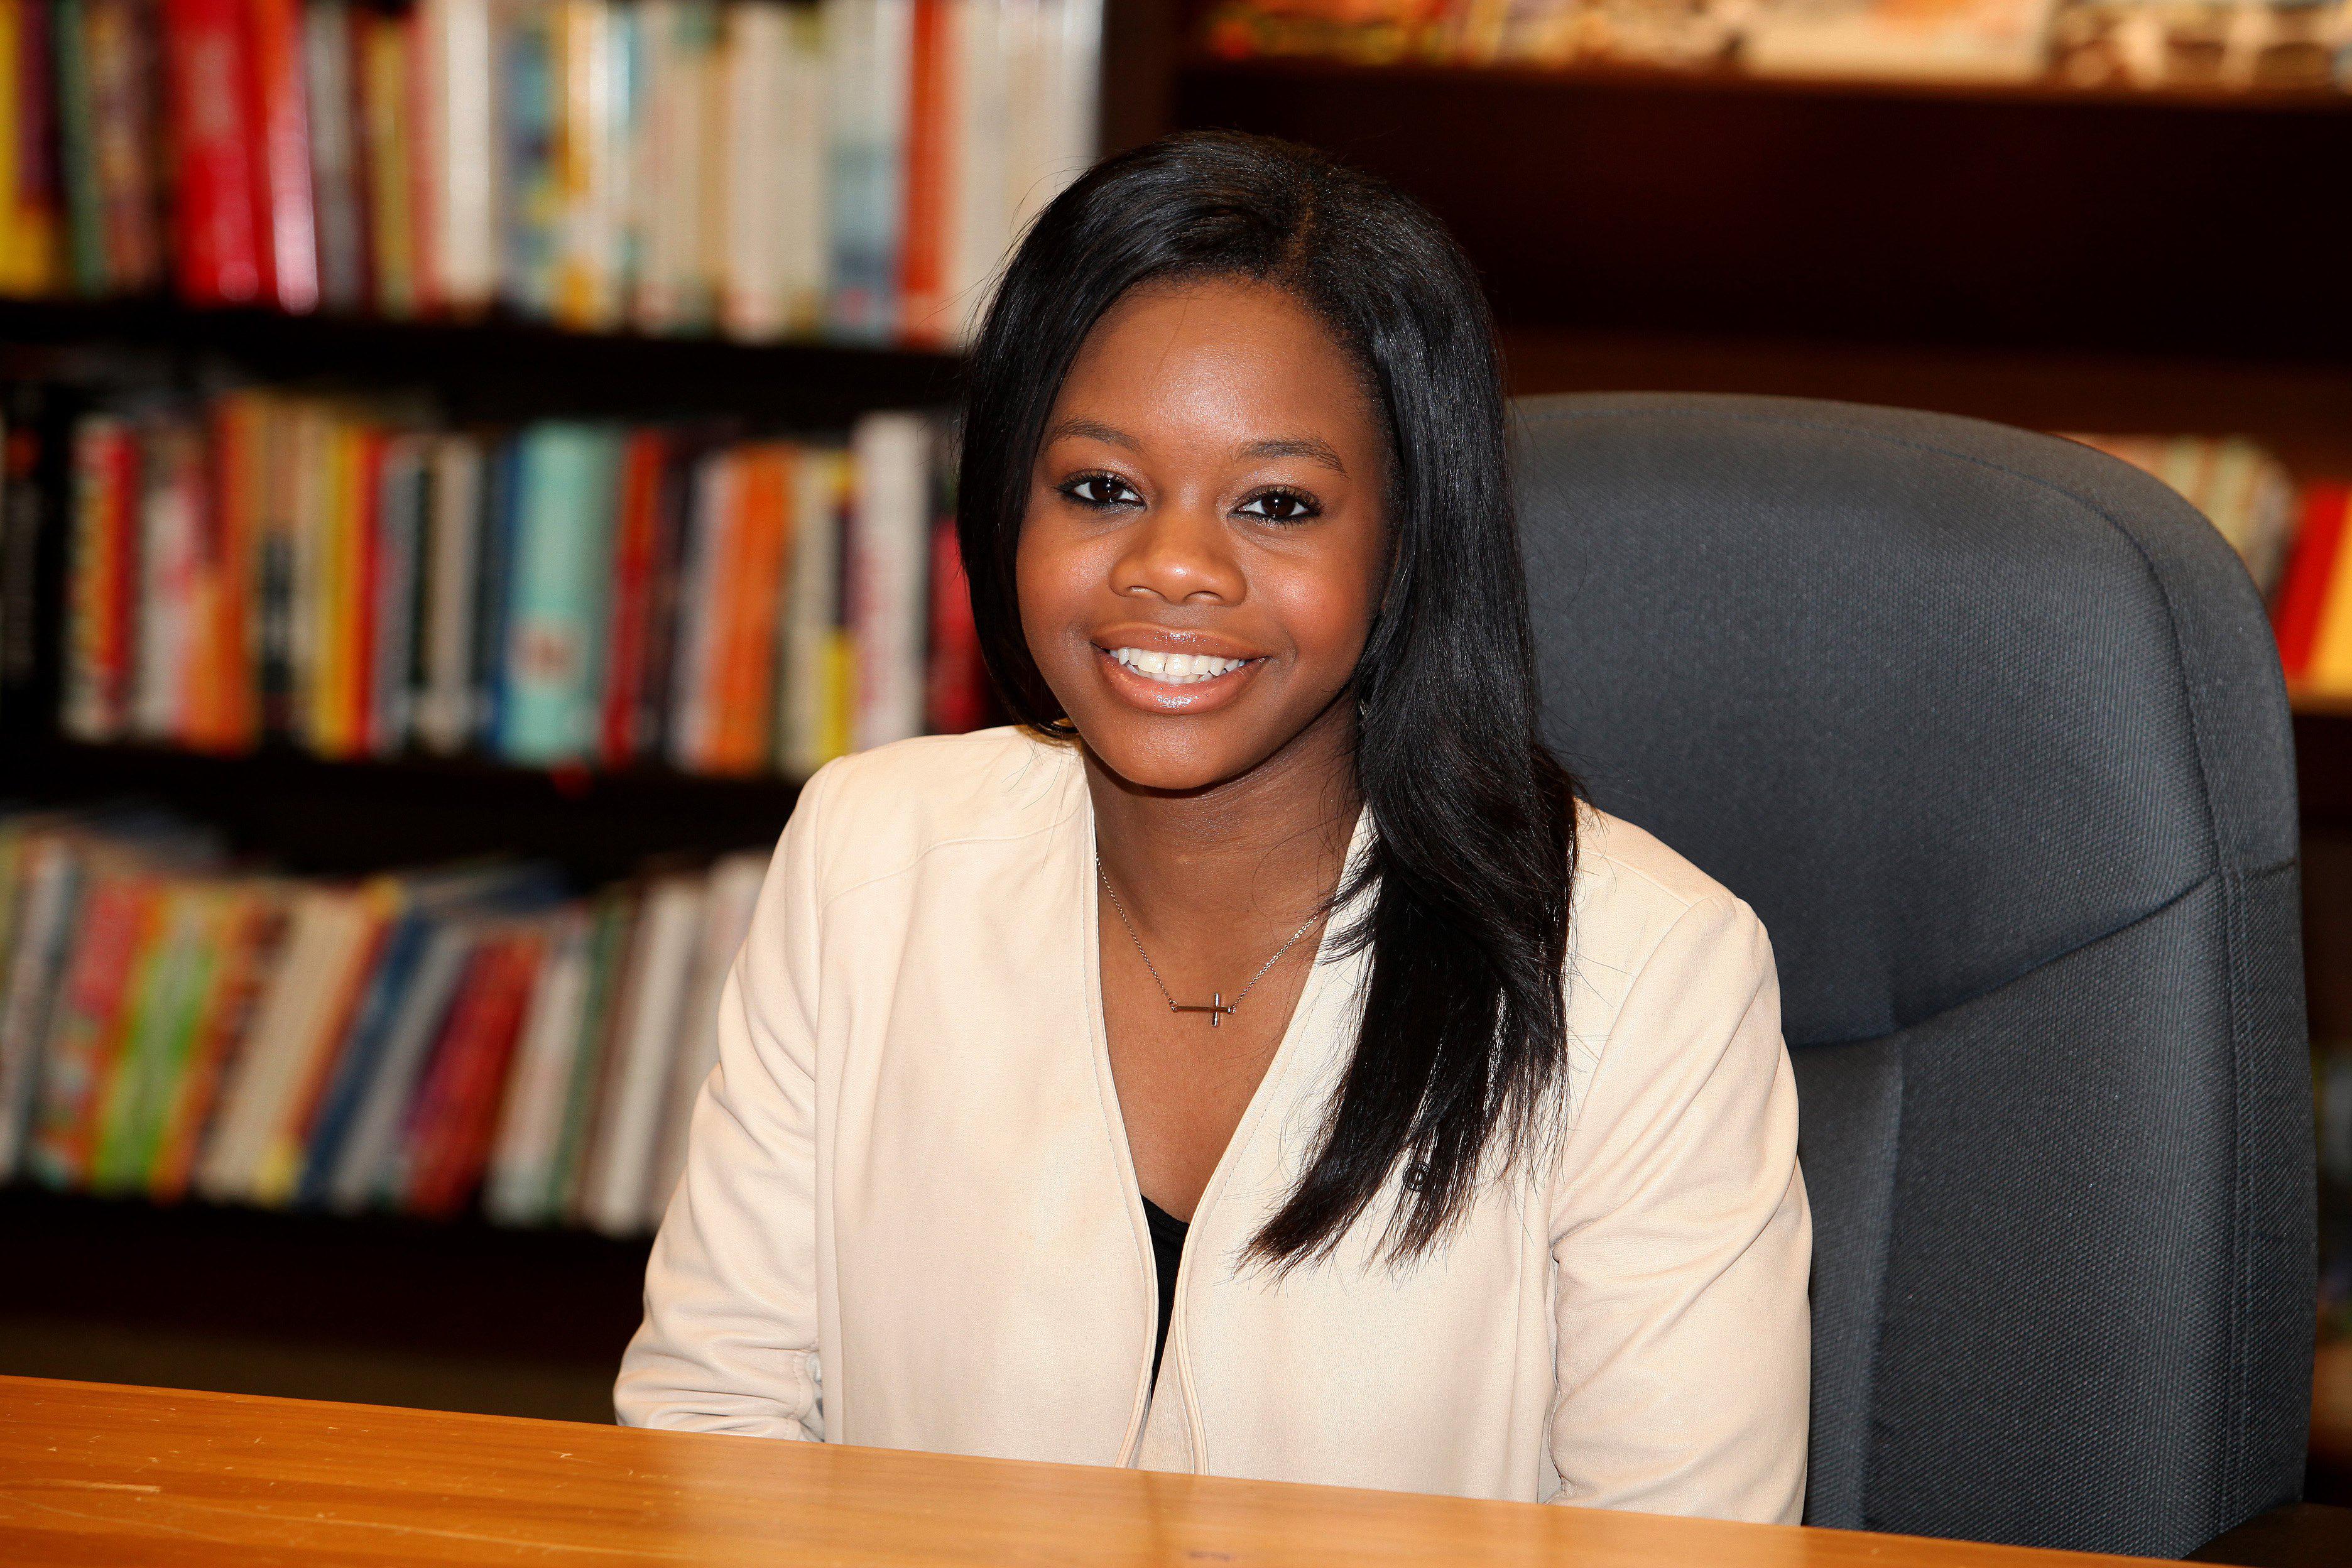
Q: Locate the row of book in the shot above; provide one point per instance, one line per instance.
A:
(852, 169)
(2290, 537)
(174, 1026)
(277, 567)
(2245, 45)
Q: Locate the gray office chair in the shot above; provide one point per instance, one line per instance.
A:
(1988, 727)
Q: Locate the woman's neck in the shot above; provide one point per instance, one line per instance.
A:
(1257, 851)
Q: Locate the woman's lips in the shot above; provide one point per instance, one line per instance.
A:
(1200, 693)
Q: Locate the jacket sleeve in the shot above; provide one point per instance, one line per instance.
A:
(1683, 1244)
(729, 1338)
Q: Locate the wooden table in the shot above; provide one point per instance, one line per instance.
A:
(92, 1474)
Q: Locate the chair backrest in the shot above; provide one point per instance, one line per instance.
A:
(1989, 730)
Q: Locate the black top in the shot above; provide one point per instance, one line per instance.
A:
(1167, 1251)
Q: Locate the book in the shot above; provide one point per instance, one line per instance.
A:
(285, 223)
(267, 566)
(558, 593)
(521, 1183)
(734, 888)
(219, 215)
(652, 1013)
(891, 546)
(412, 1042)
(45, 913)
(2311, 570)
(850, 169)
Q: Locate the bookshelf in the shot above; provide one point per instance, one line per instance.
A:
(2110, 260)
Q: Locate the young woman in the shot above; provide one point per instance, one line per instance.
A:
(1254, 1061)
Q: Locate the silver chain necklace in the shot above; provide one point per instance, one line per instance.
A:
(1217, 1006)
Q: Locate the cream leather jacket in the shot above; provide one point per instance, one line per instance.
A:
(908, 1217)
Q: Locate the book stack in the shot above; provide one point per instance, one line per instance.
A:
(274, 567)
(173, 1027)
(2242, 488)
(2288, 536)
(2245, 45)
(852, 169)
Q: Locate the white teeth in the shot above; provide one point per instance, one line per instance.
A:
(1175, 668)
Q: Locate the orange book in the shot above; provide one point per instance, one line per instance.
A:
(748, 622)
(103, 596)
(930, 111)
(343, 675)
(231, 719)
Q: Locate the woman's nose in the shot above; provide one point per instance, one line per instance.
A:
(1180, 555)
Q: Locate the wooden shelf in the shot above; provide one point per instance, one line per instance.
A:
(497, 368)
(1726, 79)
(460, 1315)
(1654, 202)
(310, 815)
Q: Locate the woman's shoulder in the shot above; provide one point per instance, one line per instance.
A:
(878, 810)
(1631, 888)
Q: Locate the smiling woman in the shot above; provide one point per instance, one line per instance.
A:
(1410, 1123)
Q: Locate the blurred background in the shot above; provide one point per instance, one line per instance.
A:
(464, 460)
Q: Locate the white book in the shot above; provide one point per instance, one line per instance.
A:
(892, 543)
(169, 546)
(323, 933)
(48, 891)
(757, 63)
(980, 210)
(444, 701)
(1075, 30)
(520, 1187)
(812, 613)
(804, 158)
(674, 183)
(652, 1012)
(734, 888)
(461, 74)
(367, 1162)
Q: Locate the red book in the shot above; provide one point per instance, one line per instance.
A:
(2303, 589)
(957, 681)
(628, 661)
(286, 232)
(217, 217)
(923, 257)
(456, 1115)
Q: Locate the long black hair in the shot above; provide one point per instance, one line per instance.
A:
(1463, 1033)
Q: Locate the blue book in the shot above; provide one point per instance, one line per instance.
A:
(870, 43)
(496, 538)
(565, 493)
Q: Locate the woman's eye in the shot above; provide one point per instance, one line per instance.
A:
(1100, 490)
(1279, 506)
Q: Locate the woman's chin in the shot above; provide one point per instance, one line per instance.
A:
(1164, 764)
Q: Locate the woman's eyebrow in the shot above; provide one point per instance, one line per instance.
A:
(1092, 429)
(1314, 448)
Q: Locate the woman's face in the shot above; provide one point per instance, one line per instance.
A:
(1205, 539)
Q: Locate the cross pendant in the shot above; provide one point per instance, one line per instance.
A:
(1216, 1008)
